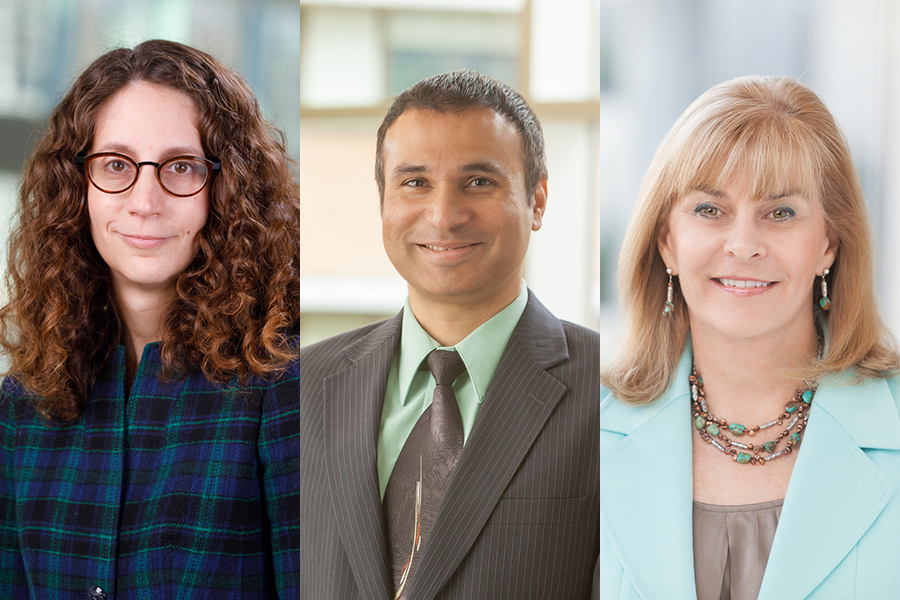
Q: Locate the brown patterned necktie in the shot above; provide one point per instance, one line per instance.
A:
(423, 470)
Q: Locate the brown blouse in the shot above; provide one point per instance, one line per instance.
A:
(731, 548)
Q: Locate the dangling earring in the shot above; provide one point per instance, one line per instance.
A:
(669, 295)
(825, 303)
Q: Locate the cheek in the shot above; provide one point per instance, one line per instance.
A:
(692, 256)
(803, 259)
(512, 218)
(99, 214)
(193, 220)
(524, 229)
(395, 221)
(674, 254)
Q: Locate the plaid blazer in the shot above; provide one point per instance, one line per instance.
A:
(182, 490)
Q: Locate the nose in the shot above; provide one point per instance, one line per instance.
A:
(448, 208)
(744, 240)
(147, 196)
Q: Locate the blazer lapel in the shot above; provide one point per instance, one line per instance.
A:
(353, 399)
(646, 490)
(836, 491)
(520, 399)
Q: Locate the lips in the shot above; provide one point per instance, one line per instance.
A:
(449, 254)
(445, 248)
(143, 241)
(743, 283)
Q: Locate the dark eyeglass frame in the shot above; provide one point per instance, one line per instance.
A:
(212, 168)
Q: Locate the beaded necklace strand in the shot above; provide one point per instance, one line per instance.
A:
(712, 429)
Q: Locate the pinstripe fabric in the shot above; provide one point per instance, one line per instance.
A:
(520, 519)
(184, 490)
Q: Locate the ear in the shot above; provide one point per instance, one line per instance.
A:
(665, 245)
(831, 249)
(539, 204)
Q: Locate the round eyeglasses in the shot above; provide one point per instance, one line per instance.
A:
(180, 176)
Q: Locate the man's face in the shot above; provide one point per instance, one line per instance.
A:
(456, 217)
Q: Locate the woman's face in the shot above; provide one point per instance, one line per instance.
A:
(747, 267)
(147, 236)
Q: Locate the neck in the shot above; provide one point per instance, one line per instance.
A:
(748, 380)
(450, 322)
(142, 312)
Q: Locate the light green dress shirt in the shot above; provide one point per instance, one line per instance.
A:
(410, 388)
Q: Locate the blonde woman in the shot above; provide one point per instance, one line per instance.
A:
(750, 433)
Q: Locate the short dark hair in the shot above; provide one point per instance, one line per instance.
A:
(457, 91)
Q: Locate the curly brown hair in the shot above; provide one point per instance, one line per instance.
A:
(236, 303)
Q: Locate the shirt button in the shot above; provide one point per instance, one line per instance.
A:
(97, 593)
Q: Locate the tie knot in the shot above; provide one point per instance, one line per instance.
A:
(445, 365)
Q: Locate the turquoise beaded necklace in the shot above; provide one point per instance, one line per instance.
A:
(712, 429)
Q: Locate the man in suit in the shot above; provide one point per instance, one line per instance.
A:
(461, 172)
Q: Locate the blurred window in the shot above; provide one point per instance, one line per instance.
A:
(354, 57)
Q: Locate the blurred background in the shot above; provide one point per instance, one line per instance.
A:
(606, 77)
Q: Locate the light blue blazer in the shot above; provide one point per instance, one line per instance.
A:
(838, 537)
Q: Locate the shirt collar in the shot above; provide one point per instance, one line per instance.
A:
(481, 350)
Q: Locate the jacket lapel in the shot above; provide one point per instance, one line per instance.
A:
(353, 399)
(520, 399)
(836, 491)
(835, 494)
(646, 490)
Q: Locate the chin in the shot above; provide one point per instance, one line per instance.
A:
(443, 292)
(751, 329)
(148, 281)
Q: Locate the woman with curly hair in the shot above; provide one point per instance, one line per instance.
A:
(147, 421)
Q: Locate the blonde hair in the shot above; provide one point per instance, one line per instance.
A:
(777, 132)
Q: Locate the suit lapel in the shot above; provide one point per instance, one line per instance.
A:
(646, 490)
(353, 399)
(520, 399)
(836, 491)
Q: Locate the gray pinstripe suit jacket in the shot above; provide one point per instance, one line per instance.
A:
(520, 519)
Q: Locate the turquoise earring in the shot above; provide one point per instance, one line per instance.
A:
(825, 303)
(669, 295)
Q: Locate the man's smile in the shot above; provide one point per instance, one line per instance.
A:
(446, 248)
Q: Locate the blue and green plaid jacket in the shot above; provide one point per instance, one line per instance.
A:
(182, 490)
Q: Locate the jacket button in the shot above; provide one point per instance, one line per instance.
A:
(97, 593)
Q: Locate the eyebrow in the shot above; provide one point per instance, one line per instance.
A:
(768, 198)
(482, 167)
(711, 192)
(168, 152)
(476, 167)
(406, 169)
(786, 194)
